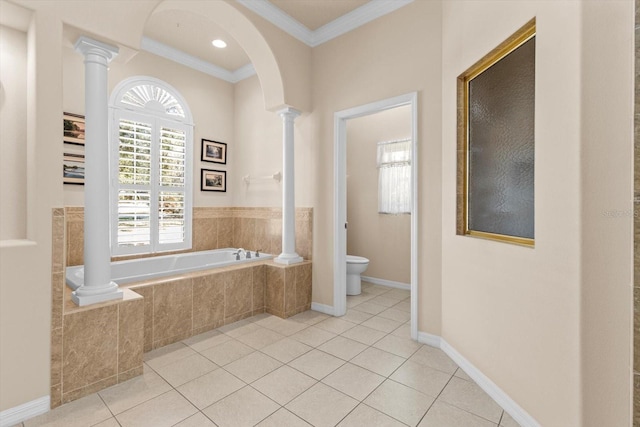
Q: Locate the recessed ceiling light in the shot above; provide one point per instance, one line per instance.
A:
(219, 43)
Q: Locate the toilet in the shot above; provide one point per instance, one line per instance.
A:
(356, 265)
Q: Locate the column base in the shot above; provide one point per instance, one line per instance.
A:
(288, 259)
(86, 296)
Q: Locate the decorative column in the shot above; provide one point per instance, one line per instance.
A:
(288, 255)
(98, 286)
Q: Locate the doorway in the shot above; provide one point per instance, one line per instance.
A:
(340, 199)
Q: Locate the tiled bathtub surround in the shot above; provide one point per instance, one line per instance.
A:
(101, 345)
(214, 228)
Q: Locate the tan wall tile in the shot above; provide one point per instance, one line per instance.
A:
(127, 375)
(75, 243)
(275, 236)
(259, 286)
(225, 233)
(274, 294)
(304, 238)
(238, 292)
(290, 289)
(208, 300)
(90, 347)
(130, 335)
(172, 310)
(56, 356)
(244, 232)
(57, 244)
(89, 389)
(636, 399)
(56, 396)
(57, 299)
(147, 294)
(303, 286)
(205, 234)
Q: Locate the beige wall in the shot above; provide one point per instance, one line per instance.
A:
(361, 67)
(13, 133)
(516, 312)
(384, 239)
(606, 211)
(25, 266)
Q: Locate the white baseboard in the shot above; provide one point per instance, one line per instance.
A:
(387, 283)
(521, 416)
(323, 308)
(429, 339)
(20, 413)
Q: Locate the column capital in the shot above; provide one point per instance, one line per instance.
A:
(87, 46)
(288, 113)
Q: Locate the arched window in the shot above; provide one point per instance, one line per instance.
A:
(151, 146)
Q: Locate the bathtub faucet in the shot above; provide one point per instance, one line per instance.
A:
(238, 252)
(258, 253)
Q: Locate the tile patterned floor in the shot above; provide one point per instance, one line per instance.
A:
(310, 370)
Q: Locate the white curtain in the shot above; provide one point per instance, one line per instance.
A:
(394, 177)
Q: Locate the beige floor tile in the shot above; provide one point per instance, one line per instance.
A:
(382, 324)
(462, 375)
(422, 378)
(344, 348)
(353, 380)
(238, 328)
(244, 408)
(206, 340)
(353, 300)
(309, 317)
(260, 338)
(83, 412)
(376, 290)
(322, 406)
(111, 422)
(443, 415)
(400, 294)
(400, 402)
(284, 384)
(286, 350)
(508, 421)
(364, 334)
(210, 388)
(355, 316)
(378, 361)
(394, 314)
(167, 354)
(335, 325)
(403, 347)
(403, 306)
(283, 418)
(469, 396)
(384, 301)
(197, 420)
(282, 326)
(317, 364)
(135, 391)
(165, 410)
(369, 307)
(435, 358)
(185, 370)
(403, 331)
(253, 366)
(227, 352)
(312, 336)
(364, 415)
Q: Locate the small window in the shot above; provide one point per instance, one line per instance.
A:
(152, 151)
(394, 177)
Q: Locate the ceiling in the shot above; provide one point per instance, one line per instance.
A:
(186, 38)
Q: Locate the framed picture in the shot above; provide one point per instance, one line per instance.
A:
(73, 128)
(73, 168)
(214, 152)
(212, 180)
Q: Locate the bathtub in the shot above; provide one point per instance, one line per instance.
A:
(136, 270)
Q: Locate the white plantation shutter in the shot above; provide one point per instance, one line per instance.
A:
(394, 177)
(151, 174)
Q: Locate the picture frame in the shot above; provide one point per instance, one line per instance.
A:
(73, 168)
(73, 128)
(214, 151)
(213, 180)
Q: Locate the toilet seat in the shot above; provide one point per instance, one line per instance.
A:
(353, 259)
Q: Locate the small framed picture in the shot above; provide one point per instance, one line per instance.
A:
(73, 128)
(214, 152)
(73, 168)
(212, 180)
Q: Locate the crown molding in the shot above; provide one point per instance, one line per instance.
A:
(176, 55)
(352, 20)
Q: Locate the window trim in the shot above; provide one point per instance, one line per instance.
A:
(119, 110)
